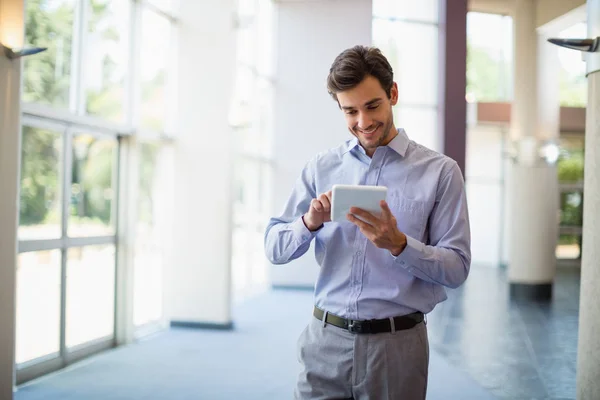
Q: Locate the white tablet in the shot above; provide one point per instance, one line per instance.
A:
(362, 196)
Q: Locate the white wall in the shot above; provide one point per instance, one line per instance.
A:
(197, 276)
(9, 180)
(309, 36)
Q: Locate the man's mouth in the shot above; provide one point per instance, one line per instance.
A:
(369, 132)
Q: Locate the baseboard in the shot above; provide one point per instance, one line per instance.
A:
(202, 325)
(293, 287)
(531, 292)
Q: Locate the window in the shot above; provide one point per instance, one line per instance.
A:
(152, 226)
(105, 61)
(415, 63)
(93, 186)
(90, 294)
(251, 118)
(489, 57)
(38, 305)
(154, 57)
(570, 176)
(47, 78)
(41, 184)
(107, 71)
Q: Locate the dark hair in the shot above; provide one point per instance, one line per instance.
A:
(354, 64)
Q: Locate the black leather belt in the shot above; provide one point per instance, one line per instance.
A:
(372, 325)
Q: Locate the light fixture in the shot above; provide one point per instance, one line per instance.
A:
(14, 54)
(587, 45)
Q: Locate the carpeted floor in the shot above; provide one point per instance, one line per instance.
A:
(256, 360)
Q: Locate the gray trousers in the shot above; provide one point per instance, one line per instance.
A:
(338, 364)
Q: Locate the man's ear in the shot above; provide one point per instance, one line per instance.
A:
(394, 94)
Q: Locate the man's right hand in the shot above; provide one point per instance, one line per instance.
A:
(319, 212)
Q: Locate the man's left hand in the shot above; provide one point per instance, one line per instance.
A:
(381, 231)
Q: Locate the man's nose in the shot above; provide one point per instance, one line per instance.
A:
(364, 121)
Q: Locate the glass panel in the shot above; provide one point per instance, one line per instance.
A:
(47, 76)
(251, 207)
(41, 184)
(38, 305)
(415, 62)
(148, 256)
(571, 161)
(92, 190)
(571, 208)
(489, 57)
(420, 125)
(105, 61)
(422, 10)
(90, 293)
(569, 247)
(155, 53)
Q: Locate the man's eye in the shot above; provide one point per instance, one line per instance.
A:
(351, 112)
(373, 107)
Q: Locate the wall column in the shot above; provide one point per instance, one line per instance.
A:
(588, 356)
(11, 34)
(533, 191)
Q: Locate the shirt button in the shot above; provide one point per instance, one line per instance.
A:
(359, 253)
(402, 263)
(304, 237)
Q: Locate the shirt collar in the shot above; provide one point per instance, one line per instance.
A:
(399, 143)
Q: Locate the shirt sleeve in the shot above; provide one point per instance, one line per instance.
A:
(447, 259)
(287, 237)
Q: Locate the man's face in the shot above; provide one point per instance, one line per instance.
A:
(368, 113)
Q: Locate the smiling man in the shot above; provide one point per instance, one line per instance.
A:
(381, 274)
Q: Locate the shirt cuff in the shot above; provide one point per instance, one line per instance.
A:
(411, 253)
(301, 232)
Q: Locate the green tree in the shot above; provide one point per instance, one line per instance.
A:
(47, 76)
(47, 80)
(39, 175)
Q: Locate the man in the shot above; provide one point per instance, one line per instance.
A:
(381, 274)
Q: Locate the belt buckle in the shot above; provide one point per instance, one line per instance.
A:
(355, 326)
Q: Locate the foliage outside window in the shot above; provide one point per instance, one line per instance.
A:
(105, 62)
(40, 193)
(47, 76)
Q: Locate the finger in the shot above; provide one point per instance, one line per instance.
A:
(316, 204)
(325, 202)
(364, 227)
(387, 213)
(365, 215)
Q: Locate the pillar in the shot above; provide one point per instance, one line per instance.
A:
(11, 34)
(533, 192)
(588, 357)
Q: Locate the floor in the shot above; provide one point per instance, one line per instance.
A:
(516, 350)
(254, 361)
(483, 345)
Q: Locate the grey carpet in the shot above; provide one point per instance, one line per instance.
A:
(256, 360)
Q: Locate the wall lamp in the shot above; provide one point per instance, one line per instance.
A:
(587, 45)
(12, 54)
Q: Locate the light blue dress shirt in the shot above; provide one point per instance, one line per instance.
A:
(357, 280)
